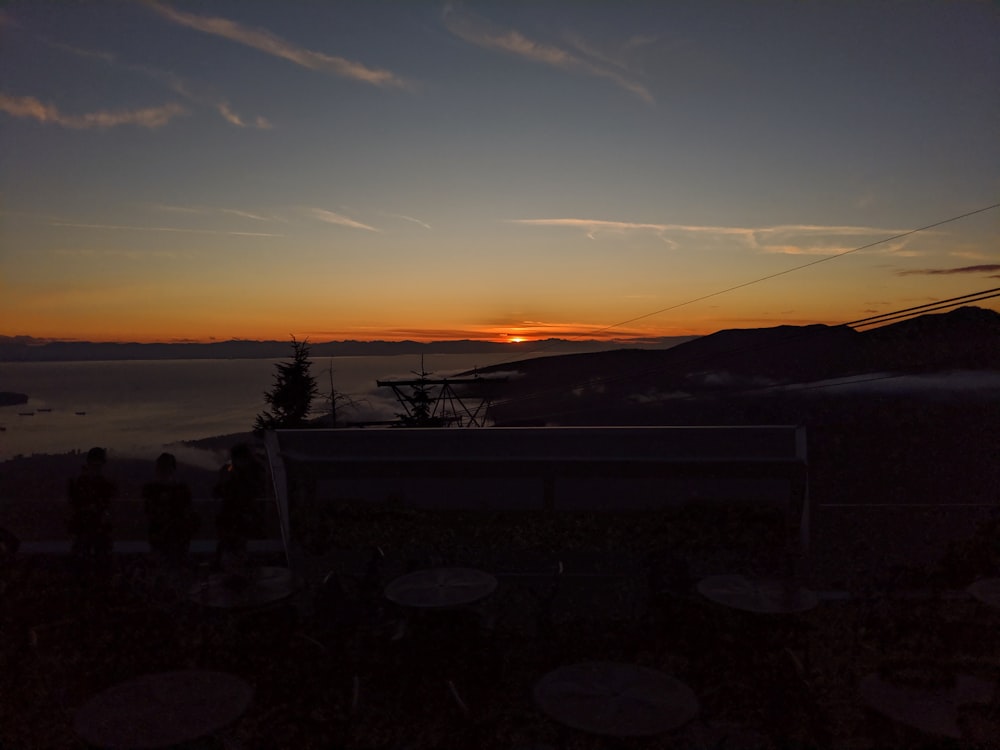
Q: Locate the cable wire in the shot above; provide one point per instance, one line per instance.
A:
(793, 335)
(775, 275)
(874, 320)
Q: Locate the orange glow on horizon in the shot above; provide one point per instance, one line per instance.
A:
(521, 332)
(155, 335)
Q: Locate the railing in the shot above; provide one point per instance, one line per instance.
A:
(544, 468)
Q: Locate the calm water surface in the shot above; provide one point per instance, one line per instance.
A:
(137, 406)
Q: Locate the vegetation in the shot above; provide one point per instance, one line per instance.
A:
(291, 396)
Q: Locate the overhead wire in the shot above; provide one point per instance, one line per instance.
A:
(864, 321)
(929, 306)
(794, 334)
(777, 274)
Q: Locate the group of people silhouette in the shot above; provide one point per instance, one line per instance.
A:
(171, 518)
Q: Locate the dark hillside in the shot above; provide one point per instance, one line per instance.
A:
(891, 435)
(731, 362)
(967, 338)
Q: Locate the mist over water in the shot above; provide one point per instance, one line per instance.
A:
(135, 407)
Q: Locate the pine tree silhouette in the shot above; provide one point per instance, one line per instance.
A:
(291, 396)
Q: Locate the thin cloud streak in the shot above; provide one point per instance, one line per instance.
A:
(274, 45)
(775, 239)
(170, 80)
(161, 229)
(31, 108)
(424, 224)
(245, 214)
(990, 268)
(223, 108)
(205, 211)
(111, 253)
(482, 33)
(332, 218)
(541, 329)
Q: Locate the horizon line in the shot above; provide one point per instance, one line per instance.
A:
(506, 340)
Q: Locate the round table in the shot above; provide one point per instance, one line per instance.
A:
(441, 587)
(259, 586)
(162, 709)
(987, 591)
(931, 709)
(763, 596)
(615, 699)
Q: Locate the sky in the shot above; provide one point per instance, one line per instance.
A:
(197, 171)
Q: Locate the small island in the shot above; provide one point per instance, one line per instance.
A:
(9, 398)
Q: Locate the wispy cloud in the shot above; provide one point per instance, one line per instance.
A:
(80, 51)
(536, 330)
(28, 107)
(231, 117)
(204, 211)
(247, 214)
(121, 227)
(272, 44)
(482, 33)
(113, 253)
(789, 239)
(332, 218)
(171, 81)
(622, 57)
(424, 224)
(993, 269)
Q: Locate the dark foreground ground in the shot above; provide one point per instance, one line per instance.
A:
(328, 671)
(903, 521)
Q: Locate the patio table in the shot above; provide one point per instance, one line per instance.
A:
(257, 587)
(441, 587)
(930, 708)
(615, 699)
(752, 595)
(987, 591)
(162, 709)
(435, 598)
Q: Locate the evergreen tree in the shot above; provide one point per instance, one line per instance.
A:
(291, 396)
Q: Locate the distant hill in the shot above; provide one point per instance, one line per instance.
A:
(719, 372)
(920, 423)
(26, 349)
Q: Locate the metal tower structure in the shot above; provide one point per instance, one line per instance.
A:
(433, 402)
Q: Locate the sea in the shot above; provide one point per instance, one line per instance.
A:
(136, 407)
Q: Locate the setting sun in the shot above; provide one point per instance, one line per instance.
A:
(529, 158)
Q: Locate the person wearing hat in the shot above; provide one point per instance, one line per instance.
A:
(90, 496)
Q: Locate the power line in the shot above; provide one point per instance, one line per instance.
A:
(796, 334)
(792, 336)
(865, 321)
(874, 320)
(803, 265)
(775, 275)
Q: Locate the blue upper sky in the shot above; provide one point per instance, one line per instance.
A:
(481, 169)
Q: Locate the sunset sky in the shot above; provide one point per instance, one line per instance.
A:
(429, 170)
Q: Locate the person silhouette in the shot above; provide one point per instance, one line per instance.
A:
(170, 513)
(241, 483)
(90, 496)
